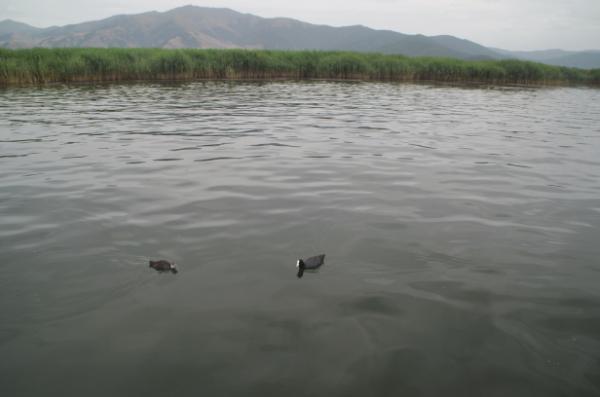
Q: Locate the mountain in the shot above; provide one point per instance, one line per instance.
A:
(584, 60)
(202, 27)
(9, 26)
(579, 59)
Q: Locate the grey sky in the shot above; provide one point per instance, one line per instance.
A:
(509, 24)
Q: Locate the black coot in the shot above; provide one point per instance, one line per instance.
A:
(163, 266)
(312, 263)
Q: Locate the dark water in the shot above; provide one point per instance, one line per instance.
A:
(461, 227)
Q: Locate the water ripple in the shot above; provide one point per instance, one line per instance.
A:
(460, 226)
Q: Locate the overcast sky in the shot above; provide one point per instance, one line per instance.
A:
(509, 24)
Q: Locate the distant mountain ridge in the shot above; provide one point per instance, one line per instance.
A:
(202, 27)
(9, 26)
(589, 59)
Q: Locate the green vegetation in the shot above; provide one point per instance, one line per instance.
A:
(67, 65)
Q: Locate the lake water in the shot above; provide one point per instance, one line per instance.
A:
(461, 227)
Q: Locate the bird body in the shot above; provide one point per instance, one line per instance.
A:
(163, 266)
(313, 263)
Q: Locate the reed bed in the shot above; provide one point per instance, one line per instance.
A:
(71, 65)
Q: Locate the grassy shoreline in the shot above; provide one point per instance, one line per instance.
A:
(93, 65)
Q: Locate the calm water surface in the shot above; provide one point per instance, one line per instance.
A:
(461, 227)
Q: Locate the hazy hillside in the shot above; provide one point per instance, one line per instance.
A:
(581, 59)
(585, 60)
(200, 27)
(9, 26)
(469, 48)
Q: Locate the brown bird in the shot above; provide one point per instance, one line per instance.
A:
(163, 266)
